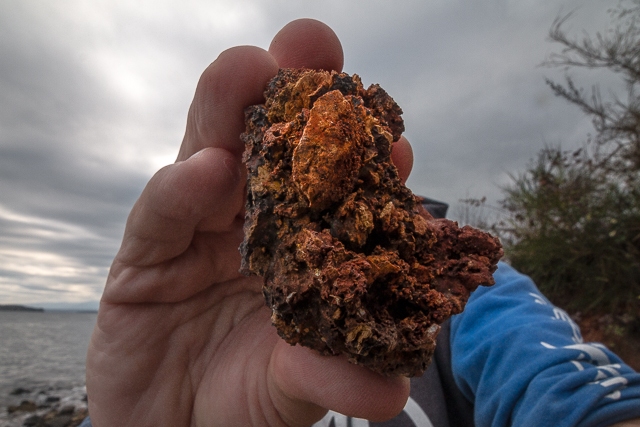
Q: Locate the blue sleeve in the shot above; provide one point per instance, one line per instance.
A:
(523, 362)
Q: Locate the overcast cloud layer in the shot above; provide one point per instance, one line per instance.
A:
(94, 96)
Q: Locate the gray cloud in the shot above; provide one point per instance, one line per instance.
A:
(94, 100)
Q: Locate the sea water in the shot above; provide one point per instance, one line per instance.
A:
(42, 350)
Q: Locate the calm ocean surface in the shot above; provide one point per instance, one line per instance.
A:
(42, 350)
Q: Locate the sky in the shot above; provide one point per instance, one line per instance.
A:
(94, 97)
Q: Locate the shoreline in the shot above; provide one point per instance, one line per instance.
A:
(44, 406)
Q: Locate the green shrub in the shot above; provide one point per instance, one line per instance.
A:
(576, 234)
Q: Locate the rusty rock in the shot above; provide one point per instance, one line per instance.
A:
(352, 263)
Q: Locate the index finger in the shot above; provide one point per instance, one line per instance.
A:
(235, 80)
(238, 77)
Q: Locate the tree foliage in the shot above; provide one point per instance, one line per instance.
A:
(574, 216)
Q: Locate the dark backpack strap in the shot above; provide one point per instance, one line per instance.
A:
(435, 208)
(459, 409)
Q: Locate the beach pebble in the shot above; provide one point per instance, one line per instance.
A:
(47, 408)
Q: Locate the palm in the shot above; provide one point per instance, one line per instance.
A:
(187, 336)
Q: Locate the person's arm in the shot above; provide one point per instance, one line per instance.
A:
(182, 338)
(522, 362)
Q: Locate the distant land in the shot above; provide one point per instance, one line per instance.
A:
(85, 306)
(76, 307)
(16, 307)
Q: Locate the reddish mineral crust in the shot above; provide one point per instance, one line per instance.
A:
(351, 261)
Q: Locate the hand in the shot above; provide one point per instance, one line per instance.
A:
(631, 423)
(182, 339)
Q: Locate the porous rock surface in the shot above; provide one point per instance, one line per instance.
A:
(352, 263)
